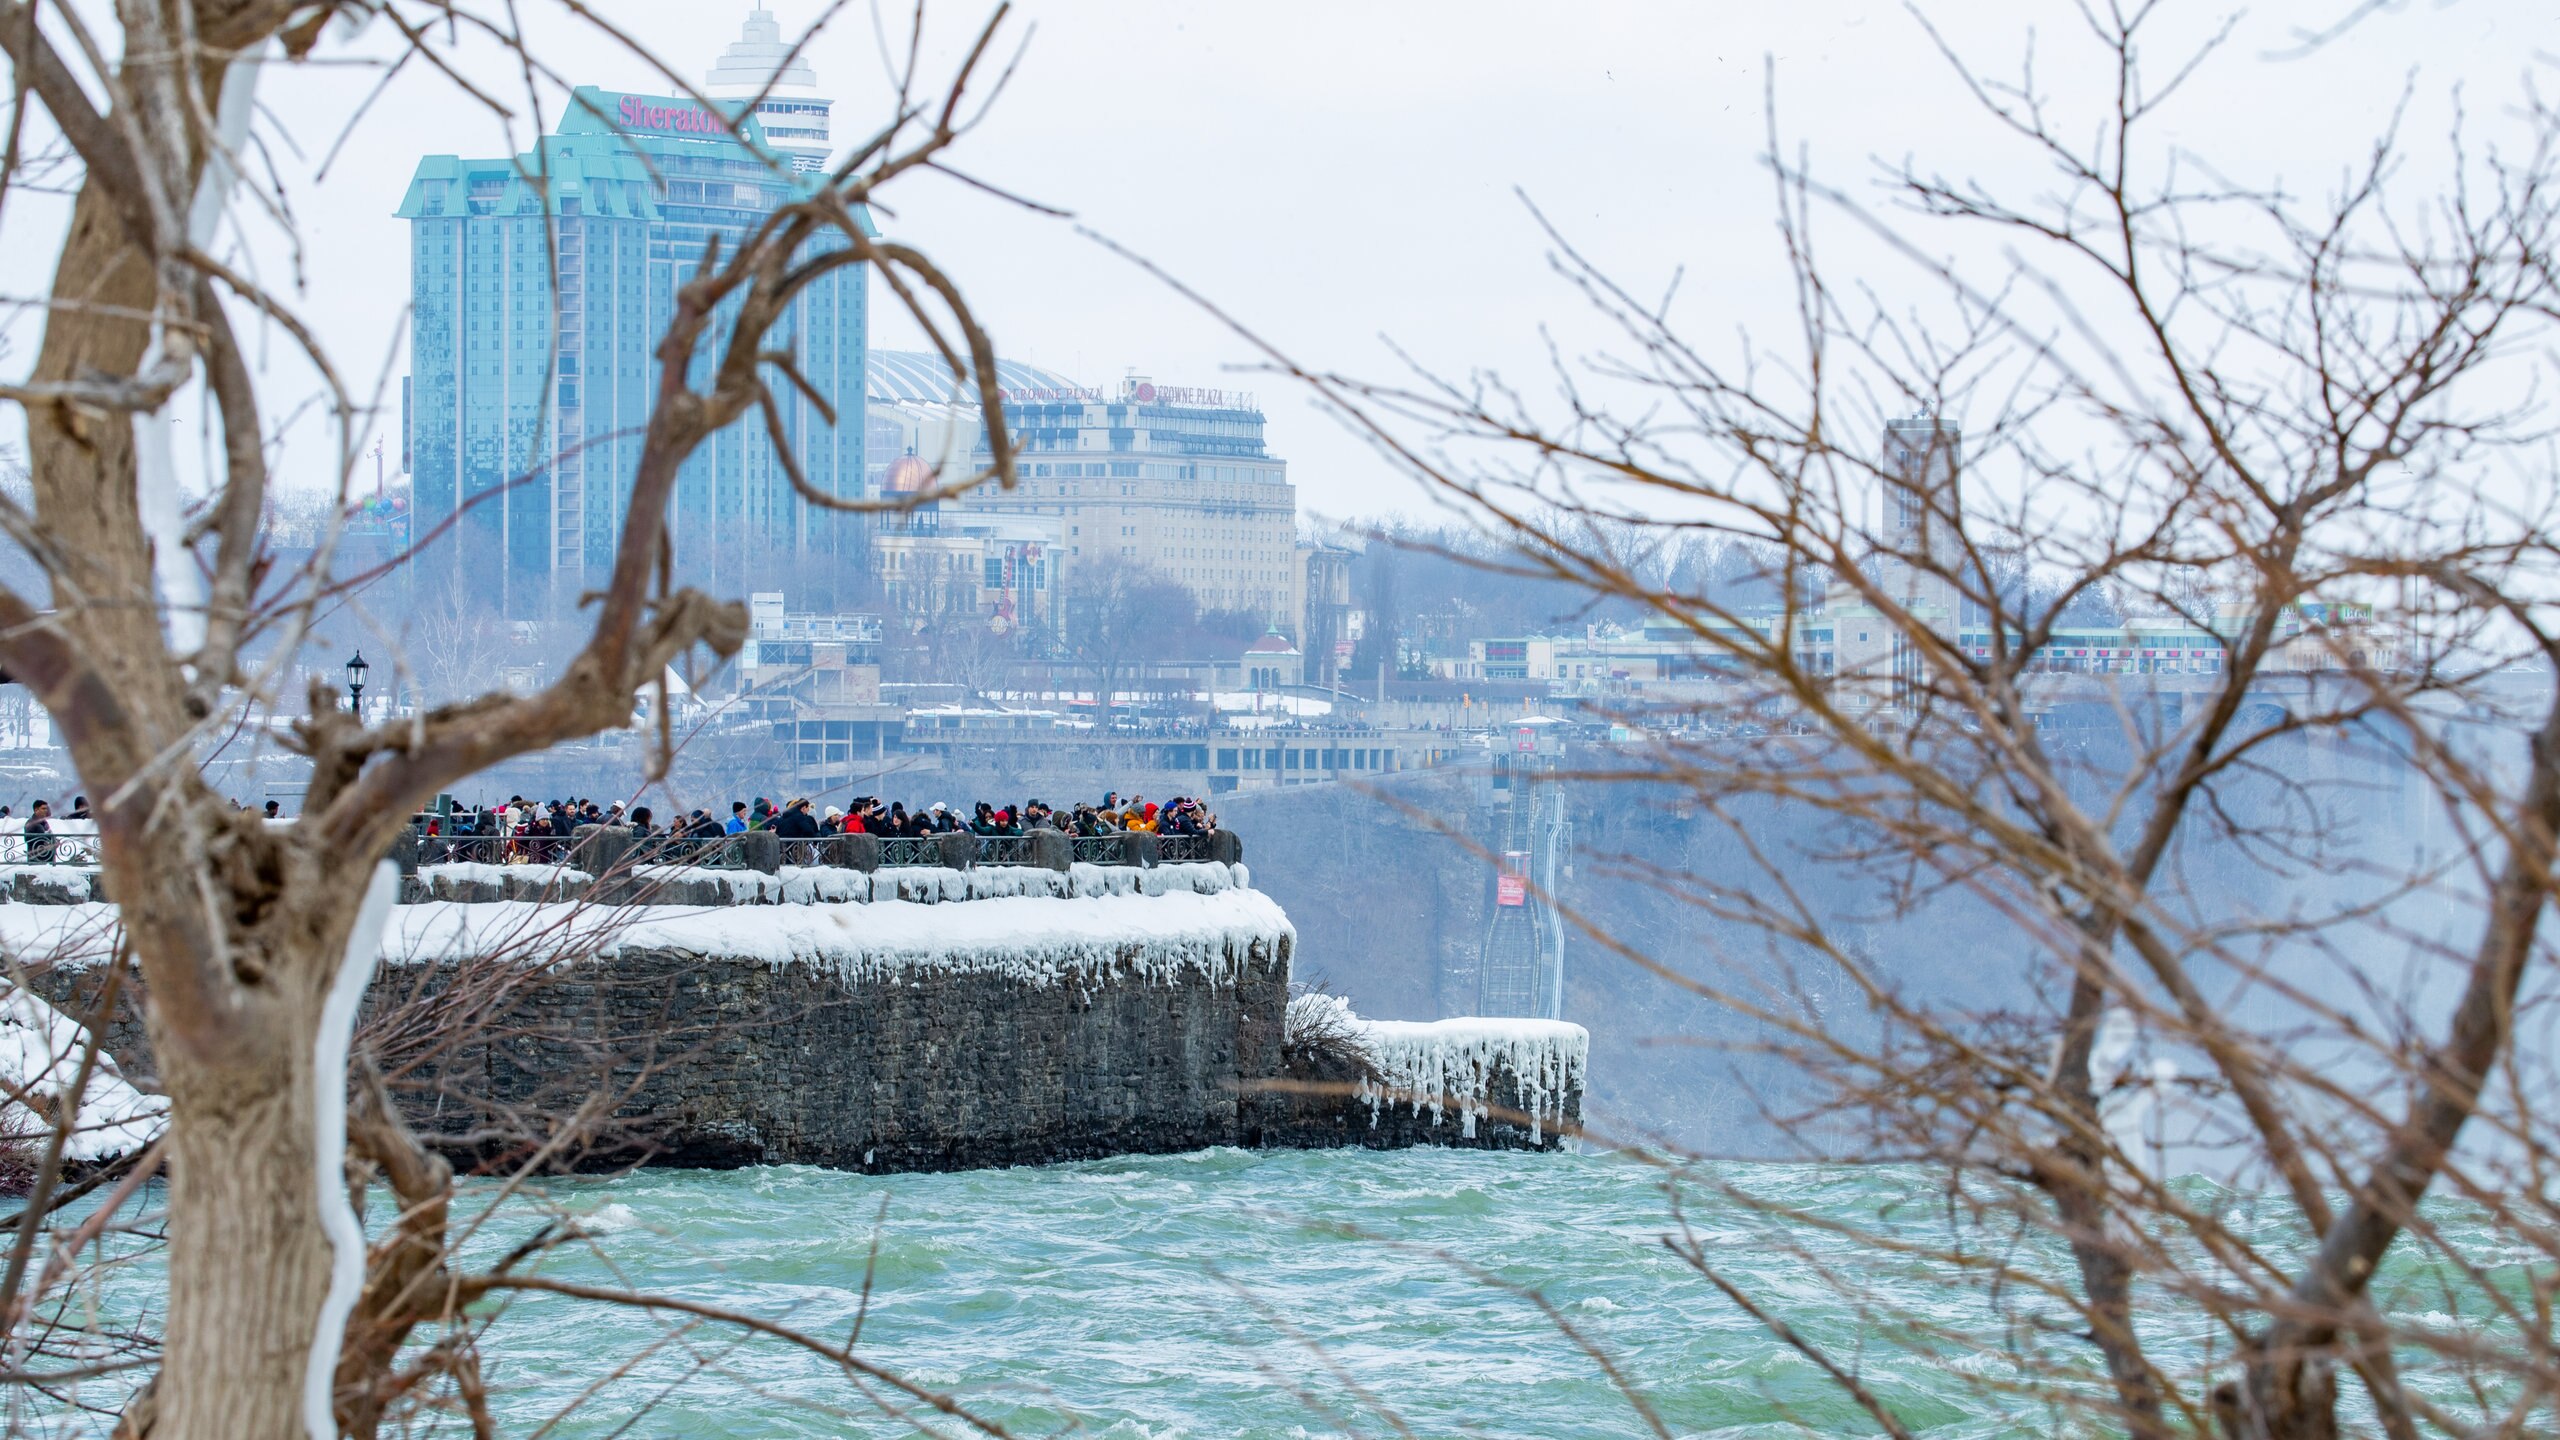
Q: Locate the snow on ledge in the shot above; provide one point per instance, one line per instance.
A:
(904, 908)
(737, 887)
(1033, 940)
(1445, 1065)
(475, 871)
(75, 877)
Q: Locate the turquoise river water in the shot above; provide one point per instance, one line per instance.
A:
(1225, 1293)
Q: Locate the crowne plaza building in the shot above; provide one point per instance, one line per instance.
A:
(1175, 481)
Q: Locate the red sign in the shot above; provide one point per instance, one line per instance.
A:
(1510, 890)
(639, 114)
(1524, 741)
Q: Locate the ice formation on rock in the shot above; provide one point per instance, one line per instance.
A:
(1445, 1065)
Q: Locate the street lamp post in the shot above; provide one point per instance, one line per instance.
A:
(356, 669)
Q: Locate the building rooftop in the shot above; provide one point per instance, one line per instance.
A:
(758, 57)
(920, 377)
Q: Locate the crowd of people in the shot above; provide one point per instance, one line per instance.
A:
(803, 819)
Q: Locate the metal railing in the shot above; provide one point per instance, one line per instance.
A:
(598, 850)
(910, 850)
(1004, 850)
(831, 851)
(78, 850)
(495, 849)
(707, 852)
(1099, 850)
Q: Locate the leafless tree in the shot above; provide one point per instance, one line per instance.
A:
(147, 644)
(2289, 453)
(1119, 618)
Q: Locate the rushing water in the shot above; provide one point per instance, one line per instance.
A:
(1226, 1293)
(1220, 1293)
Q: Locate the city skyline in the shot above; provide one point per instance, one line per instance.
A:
(1259, 198)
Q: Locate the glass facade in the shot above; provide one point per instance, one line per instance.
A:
(541, 284)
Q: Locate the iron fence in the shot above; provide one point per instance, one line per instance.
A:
(1004, 849)
(55, 849)
(737, 852)
(1099, 850)
(707, 852)
(495, 849)
(910, 849)
(832, 851)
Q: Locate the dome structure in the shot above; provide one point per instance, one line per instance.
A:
(921, 377)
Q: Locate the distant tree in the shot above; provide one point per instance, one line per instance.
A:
(973, 652)
(1120, 619)
(2246, 413)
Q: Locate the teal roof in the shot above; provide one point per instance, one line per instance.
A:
(612, 153)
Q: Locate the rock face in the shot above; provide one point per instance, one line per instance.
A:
(890, 1035)
(739, 1062)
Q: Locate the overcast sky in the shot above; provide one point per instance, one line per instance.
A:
(1337, 172)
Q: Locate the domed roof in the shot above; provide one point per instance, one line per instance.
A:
(1273, 643)
(922, 377)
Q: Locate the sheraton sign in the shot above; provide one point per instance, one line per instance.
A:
(639, 114)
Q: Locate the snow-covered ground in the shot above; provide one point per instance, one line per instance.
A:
(1445, 1065)
(40, 1050)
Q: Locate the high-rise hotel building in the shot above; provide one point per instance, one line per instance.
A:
(528, 401)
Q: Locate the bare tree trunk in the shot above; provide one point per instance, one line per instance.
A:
(2075, 1176)
(240, 930)
(248, 1262)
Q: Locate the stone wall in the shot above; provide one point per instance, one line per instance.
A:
(731, 1061)
(883, 1035)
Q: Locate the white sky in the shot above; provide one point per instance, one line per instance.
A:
(1339, 172)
